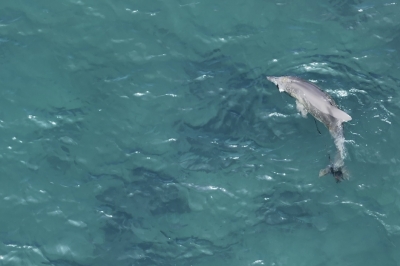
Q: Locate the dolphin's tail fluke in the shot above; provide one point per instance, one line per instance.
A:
(336, 168)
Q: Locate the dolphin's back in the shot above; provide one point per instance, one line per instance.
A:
(317, 102)
(314, 99)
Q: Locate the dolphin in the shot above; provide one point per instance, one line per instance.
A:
(311, 99)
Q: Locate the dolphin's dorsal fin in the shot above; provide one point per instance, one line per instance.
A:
(339, 114)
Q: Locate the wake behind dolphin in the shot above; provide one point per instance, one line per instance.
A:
(311, 99)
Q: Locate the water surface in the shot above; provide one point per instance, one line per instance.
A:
(145, 133)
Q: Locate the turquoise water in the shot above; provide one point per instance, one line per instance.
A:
(145, 133)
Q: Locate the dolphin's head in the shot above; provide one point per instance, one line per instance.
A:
(273, 79)
(277, 81)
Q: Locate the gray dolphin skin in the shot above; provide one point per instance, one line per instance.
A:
(311, 99)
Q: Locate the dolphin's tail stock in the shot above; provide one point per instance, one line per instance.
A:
(338, 137)
(336, 167)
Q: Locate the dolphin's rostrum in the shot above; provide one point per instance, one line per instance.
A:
(311, 99)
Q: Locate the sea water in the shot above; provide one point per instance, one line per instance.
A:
(146, 133)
